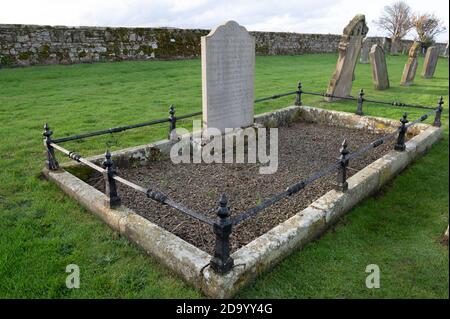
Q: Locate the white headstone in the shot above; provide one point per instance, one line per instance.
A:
(228, 68)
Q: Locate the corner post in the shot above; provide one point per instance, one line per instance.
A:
(222, 262)
(173, 123)
(298, 98)
(342, 184)
(51, 163)
(437, 119)
(110, 183)
(359, 110)
(400, 145)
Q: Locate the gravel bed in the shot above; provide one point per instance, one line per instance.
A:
(304, 148)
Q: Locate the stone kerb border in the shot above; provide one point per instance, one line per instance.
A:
(262, 253)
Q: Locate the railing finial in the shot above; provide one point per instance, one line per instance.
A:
(342, 184)
(298, 98)
(400, 145)
(222, 261)
(437, 119)
(113, 200)
(359, 110)
(51, 163)
(172, 123)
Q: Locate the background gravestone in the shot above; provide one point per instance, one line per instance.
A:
(409, 72)
(349, 49)
(228, 64)
(430, 62)
(364, 58)
(379, 68)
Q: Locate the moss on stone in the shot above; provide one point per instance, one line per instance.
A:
(7, 60)
(44, 52)
(140, 31)
(24, 55)
(262, 49)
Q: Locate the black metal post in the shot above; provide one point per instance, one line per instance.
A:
(51, 163)
(400, 145)
(110, 183)
(342, 184)
(222, 262)
(298, 98)
(437, 119)
(359, 110)
(172, 123)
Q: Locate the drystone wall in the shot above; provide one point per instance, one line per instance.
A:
(22, 45)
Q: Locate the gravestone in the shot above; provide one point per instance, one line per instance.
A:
(379, 68)
(394, 46)
(446, 51)
(385, 43)
(409, 72)
(349, 49)
(228, 64)
(365, 52)
(430, 62)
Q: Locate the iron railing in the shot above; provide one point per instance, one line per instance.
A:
(360, 99)
(222, 261)
(172, 119)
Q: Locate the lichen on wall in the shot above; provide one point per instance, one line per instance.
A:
(23, 45)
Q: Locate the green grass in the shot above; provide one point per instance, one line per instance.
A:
(42, 230)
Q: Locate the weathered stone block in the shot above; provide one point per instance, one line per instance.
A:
(365, 49)
(228, 71)
(380, 76)
(409, 71)
(430, 62)
(349, 48)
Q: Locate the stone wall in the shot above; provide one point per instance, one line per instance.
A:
(22, 45)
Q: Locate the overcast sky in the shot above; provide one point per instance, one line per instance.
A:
(303, 16)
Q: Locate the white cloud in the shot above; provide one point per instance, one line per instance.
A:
(303, 16)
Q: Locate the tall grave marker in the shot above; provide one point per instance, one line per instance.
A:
(365, 50)
(228, 64)
(349, 49)
(430, 62)
(379, 68)
(409, 72)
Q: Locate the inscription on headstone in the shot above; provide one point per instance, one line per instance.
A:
(228, 64)
(430, 62)
(379, 68)
(409, 72)
(349, 49)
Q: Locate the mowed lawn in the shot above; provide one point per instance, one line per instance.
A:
(42, 230)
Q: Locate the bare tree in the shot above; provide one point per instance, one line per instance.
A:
(427, 27)
(396, 21)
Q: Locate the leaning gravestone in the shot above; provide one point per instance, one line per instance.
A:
(349, 49)
(379, 68)
(409, 72)
(228, 64)
(430, 62)
(365, 52)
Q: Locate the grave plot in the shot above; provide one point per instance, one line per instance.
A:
(221, 225)
(220, 248)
